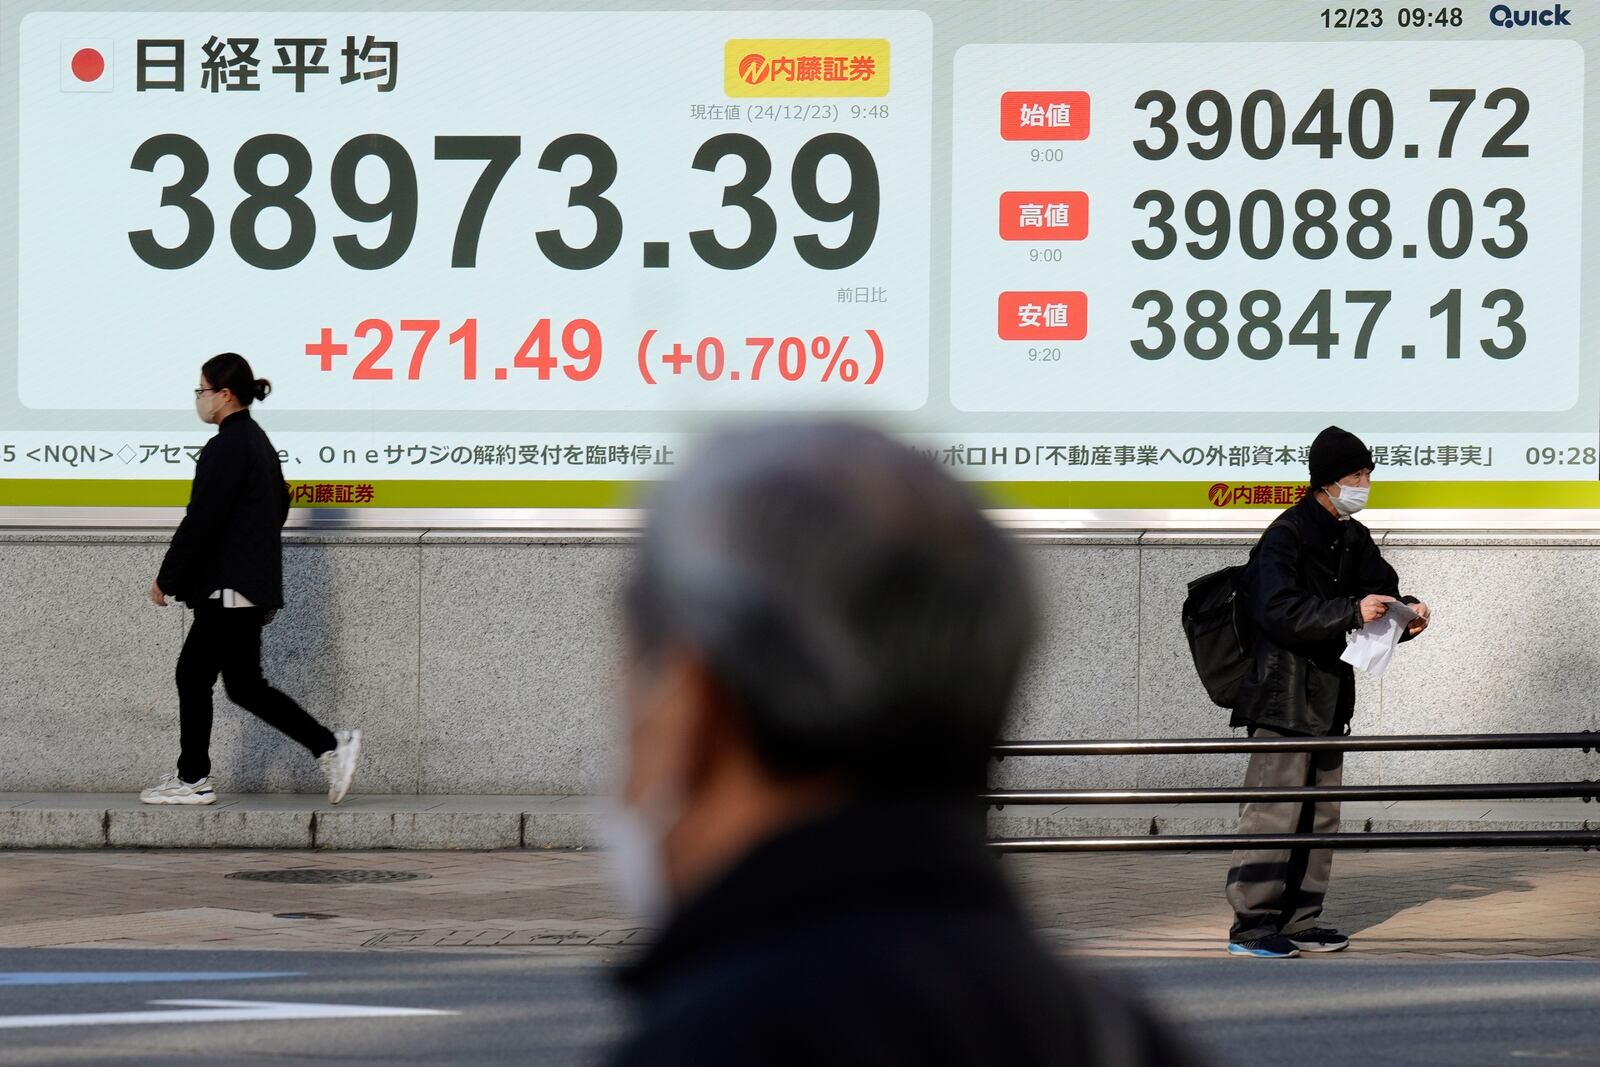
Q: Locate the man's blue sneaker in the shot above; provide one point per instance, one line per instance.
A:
(1271, 947)
(1319, 939)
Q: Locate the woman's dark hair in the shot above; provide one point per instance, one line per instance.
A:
(232, 372)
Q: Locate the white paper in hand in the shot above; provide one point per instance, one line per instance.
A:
(1371, 646)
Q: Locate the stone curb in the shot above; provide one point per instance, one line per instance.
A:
(53, 828)
(224, 828)
(417, 830)
(1013, 826)
(504, 827)
(198, 827)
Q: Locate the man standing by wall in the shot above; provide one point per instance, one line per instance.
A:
(1315, 576)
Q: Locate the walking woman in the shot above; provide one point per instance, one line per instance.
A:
(226, 564)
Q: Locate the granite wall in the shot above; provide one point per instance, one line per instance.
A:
(485, 663)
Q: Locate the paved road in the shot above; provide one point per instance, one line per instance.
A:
(1330, 1012)
(547, 1009)
(506, 1009)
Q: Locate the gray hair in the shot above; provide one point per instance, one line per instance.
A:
(863, 615)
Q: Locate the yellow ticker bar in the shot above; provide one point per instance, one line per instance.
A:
(1219, 497)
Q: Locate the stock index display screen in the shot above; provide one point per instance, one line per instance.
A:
(1093, 256)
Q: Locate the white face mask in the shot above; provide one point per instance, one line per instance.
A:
(636, 839)
(1351, 499)
(205, 406)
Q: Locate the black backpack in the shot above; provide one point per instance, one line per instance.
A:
(1217, 624)
(1216, 620)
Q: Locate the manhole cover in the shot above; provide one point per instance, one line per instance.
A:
(323, 876)
(303, 915)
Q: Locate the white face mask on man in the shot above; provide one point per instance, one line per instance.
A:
(636, 839)
(1351, 498)
(654, 798)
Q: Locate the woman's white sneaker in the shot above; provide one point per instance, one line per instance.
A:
(340, 764)
(174, 790)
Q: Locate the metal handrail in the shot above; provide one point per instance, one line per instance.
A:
(1587, 740)
(1585, 839)
(1584, 739)
(1588, 791)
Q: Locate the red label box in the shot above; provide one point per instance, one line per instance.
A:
(1050, 116)
(1044, 316)
(1057, 216)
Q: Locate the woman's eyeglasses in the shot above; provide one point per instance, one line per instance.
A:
(198, 393)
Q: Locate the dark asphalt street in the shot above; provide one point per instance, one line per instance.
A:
(94, 1006)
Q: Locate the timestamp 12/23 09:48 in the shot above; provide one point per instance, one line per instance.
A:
(1373, 18)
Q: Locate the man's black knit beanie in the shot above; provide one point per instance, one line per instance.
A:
(1336, 453)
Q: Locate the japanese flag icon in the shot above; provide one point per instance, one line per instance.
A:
(86, 65)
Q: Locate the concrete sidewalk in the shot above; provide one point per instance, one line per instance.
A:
(1498, 904)
(432, 822)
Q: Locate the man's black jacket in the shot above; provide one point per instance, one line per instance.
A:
(881, 935)
(1305, 582)
(231, 535)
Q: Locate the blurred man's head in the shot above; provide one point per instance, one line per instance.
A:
(817, 614)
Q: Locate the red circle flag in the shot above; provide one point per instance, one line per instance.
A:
(88, 64)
